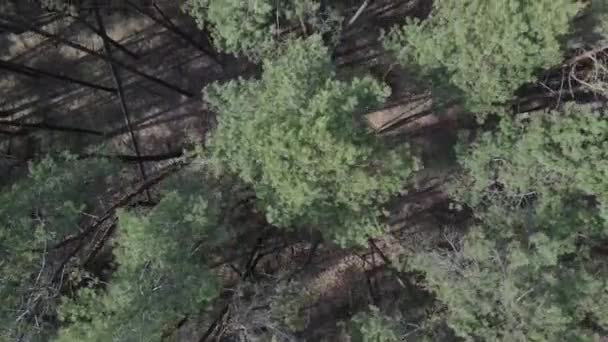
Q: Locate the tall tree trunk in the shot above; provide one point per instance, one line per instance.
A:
(31, 72)
(168, 24)
(121, 97)
(16, 22)
(110, 40)
(50, 127)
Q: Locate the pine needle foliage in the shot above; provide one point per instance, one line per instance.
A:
(255, 27)
(373, 326)
(161, 275)
(485, 49)
(35, 213)
(517, 277)
(532, 267)
(295, 136)
(546, 156)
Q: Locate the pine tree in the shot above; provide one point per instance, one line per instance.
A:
(161, 274)
(373, 326)
(517, 277)
(485, 49)
(253, 28)
(294, 135)
(532, 266)
(546, 156)
(35, 213)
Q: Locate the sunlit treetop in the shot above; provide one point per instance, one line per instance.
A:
(254, 28)
(297, 136)
(485, 49)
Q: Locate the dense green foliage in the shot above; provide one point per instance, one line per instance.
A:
(486, 49)
(546, 155)
(599, 12)
(373, 326)
(592, 26)
(294, 135)
(519, 277)
(161, 275)
(35, 213)
(508, 243)
(532, 268)
(253, 28)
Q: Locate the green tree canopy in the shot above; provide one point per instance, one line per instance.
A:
(532, 267)
(517, 277)
(161, 274)
(373, 326)
(296, 137)
(35, 213)
(253, 28)
(486, 49)
(546, 155)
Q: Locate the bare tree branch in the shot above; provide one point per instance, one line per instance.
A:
(51, 127)
(169, 25)
(121, 97)
(110, 40)
(31, 72)
(17, 22)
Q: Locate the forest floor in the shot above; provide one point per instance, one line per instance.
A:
(43, 113)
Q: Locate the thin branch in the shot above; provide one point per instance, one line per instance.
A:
(108, 215)
(169, 25)
(11, 133)
(387, 262)
(247, 271)
(214, 324)
(401, 121)
(171, 169)
(24, 24)
(120, 157)
(99, 245)
(51, 127)
(110, 40)
(578, 58)
(359, 12)
(248, 268)
(121, 99)
(31, 72)
(561, 88)
(138, 159)
(311, 253)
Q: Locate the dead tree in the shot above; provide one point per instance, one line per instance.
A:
(121, 98)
